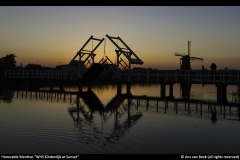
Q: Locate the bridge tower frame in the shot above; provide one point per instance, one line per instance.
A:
(127, 52)
(84, 63)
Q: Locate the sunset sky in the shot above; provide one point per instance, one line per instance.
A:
(47, 35)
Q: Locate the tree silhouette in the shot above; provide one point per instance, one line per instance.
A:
(7, 62)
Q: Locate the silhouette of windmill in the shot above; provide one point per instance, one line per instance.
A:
(186, 60)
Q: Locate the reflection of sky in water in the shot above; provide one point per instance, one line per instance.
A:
(206, 92)
(201, 92)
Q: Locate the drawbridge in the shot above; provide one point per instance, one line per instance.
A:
(88, 70)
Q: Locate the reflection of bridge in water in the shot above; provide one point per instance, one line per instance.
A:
(165, 105)
(125, 110)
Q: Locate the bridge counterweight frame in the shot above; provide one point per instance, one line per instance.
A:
(89, 54)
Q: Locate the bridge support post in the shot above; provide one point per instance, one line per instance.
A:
(221, 93)
(171, 90)
(61, 86)
(163, 90)
(25, 84)
(186, 89)
(51, 85)
(224, 93)
(38, 84)
(89, 88)
(80, 87)
(128, 88)
(119, 88)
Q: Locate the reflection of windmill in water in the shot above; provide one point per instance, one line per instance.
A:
(185, 61)
(185, 64)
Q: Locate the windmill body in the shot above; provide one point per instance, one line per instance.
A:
(185, 64)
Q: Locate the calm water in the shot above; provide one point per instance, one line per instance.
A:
(97, 123)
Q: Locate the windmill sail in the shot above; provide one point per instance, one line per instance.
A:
(189, 48)
(186, 59)
(179, 54)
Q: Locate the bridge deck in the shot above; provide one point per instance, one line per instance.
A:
(231, 77)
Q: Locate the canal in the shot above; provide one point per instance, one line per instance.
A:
(98, 121)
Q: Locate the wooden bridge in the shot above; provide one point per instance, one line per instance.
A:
(228, 77)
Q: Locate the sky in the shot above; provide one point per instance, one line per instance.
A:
(52, 35)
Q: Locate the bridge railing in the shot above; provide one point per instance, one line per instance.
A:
(197, 76)
(40, 74)
(141, 75)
